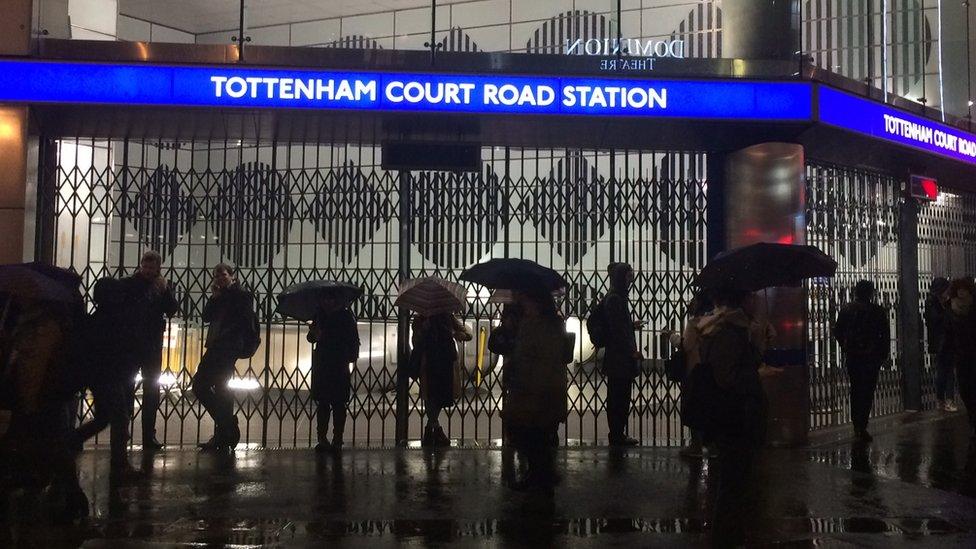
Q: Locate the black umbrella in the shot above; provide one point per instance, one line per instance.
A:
(513, 274)
(39, 282)
(301, 301)
(765, 265)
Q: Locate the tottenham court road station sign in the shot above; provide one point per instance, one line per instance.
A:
(717, 100)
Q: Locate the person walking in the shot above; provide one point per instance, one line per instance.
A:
(961, 334)
(230, 313)
(336, 337)
(435, 339)
(107, 345)
(862, 330)
(731, 411)
(689, 340)
(939, 347)
(151, 301)
(536, 403)
(621, 362)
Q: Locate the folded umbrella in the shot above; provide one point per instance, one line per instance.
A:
(301, 301)
(42, 283)
(432, 295)
(765, 265)
(513, 274)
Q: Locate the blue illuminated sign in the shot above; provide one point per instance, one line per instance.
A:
(877, 120)
(88, 83)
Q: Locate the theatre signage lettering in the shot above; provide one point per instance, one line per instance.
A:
(626, 54)
(32, 81)
(883, 122)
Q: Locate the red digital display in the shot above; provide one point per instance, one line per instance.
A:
(924, 188)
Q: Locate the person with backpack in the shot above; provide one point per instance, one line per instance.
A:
(939, 346)
(336, 337)
(611, 326)
(688, 343)
(862, 330)
(231, 336)
(435, 341)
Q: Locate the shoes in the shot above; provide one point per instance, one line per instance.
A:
(626, 441)
(323, 447)
(209, 446)
(440, 439)
(863, 436)
(950, 406)
(152, 445)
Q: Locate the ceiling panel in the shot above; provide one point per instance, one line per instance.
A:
(199, 16)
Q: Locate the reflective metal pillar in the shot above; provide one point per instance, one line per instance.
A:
(760, 29)
(15, 147)
(765, 202)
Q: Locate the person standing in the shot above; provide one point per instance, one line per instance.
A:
(435, 338)
(862, 330)
(152, 303)
(962, 339)
(940, 349)
(621, 362)
(230, 313)
(689, 340)
(336, 338)
(536, 403)
(106, 348)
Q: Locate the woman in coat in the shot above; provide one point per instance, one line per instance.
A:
(698, 309)
(435, 339)
(336, 338)
(536, 402)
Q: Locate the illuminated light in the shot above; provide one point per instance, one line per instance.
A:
(243, 384)
(8, 130)
(924, 188)
(788, 239)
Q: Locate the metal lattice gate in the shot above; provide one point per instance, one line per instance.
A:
(852, 215)
(285, 213)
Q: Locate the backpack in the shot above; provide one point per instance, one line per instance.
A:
(596, 325)
(251, 338)
(861, 341)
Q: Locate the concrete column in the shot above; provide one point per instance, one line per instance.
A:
(765, 202)
(760, 29)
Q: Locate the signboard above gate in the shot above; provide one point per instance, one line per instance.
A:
(194, 86)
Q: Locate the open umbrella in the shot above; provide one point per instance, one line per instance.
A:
(301, 301)
(504, 297)
(765, 265)
(46, 283)
(513, 274)
(432, 295)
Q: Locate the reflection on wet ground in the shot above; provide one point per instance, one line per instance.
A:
(908, 487)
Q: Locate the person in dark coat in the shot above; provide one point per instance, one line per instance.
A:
(502, 343)
(435, 338)
(621, 362)
(862, 330)
(108, 377)
(961, 334)
(936, 324)
(336, 337)
(152, 302)
(536, 404)
(730, 366)
(230, 313)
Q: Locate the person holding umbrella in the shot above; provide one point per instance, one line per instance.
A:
(436, 332)
(334, 332)
(336, 338)
(940, 348)
(961, 334)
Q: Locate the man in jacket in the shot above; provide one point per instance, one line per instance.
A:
(621, 363)
(230, 314)
(862, 331)
(152, 303)
(940, 349)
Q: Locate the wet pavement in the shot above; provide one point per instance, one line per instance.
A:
(913, 485)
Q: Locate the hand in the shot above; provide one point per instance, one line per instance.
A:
(638, 355)
(769, 371)
(639, 324)
(159, 284)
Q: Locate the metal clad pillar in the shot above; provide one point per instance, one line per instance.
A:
(910, 331)
(760, 29)
(765, 202)
(16, 152)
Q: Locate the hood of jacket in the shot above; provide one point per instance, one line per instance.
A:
(619, 282)
(721, 317)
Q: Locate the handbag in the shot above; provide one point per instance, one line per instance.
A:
(676, 365)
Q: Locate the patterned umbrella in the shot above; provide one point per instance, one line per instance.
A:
(432, 295)
(301, 301)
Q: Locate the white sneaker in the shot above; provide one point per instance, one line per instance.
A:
(950, 406)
